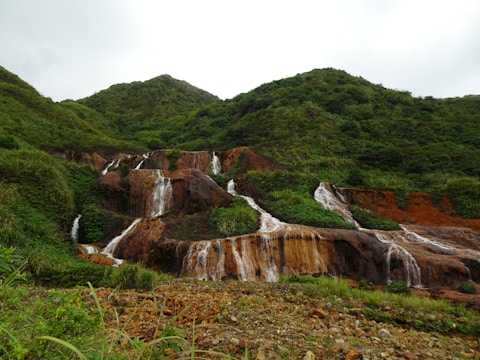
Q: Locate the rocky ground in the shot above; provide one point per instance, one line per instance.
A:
(252, 320)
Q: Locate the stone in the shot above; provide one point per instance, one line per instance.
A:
(309, 356)
(384, 333)
(352, 354)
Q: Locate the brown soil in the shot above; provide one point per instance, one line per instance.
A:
(259, 320)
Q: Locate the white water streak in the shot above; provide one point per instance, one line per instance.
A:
(325, 197)
(268, 223)
(162, 194)
(216, 165)
(412, 270)
(112, 245)
(75, 226)
(105, 171)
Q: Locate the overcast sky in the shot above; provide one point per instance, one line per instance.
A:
(72, 49)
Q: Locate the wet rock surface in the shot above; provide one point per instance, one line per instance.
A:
(259, 320)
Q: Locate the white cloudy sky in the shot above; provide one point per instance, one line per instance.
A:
(73, 48)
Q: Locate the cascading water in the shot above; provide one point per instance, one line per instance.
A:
(268, 223)
(109, 250)
(246, 271)
(139, 165)
(216, 165)
(74, 230)
(268, 257)
(199, 259)
(109, 165)
(422, 239)
(412, 272)
(324, 196)
(89, 249)
(162, 194)
(413, 275)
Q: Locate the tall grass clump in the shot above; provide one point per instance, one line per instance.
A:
(133, 276)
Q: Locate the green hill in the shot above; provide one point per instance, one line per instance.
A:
(134, 108)
(344, 129)
(29, 118)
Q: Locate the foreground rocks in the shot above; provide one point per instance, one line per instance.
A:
(257, 320)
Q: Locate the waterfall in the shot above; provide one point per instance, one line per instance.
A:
(231, 187)
(139, 165)
(162, 195)
(268, 223)
(105, 171)
(216, 165)
(335, 202)
(109, 250)
(422, 239)
(75, 226)
(412, 270)
(245, 268)
(196, 263)
(89, 249)
(325, 197)
(268, 257)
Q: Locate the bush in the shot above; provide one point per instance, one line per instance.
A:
(398, 287)
(467, 288)
(465, 195)
(8, 142)
(11, 267)
(239, 218)
(28, 315)
(370, 220)
(298, 207)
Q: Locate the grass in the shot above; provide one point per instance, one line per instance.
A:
(40, 323)
(422, 313)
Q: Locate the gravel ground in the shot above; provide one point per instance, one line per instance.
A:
(253, 320)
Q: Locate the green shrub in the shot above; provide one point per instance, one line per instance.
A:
(8, 142)
(299, 207)
(467, 288)
(239, 218)
(465, 195)
(92, 224)
(398, 287)
(370, 220)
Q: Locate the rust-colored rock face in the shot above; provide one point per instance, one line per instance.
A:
(193, 191)
(433, 248)
(96, 160)
(245, 159)
(136, 245)
(420, 208)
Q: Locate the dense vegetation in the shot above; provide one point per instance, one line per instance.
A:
(324, 125)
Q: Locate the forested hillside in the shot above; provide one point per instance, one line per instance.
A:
(341, 128)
